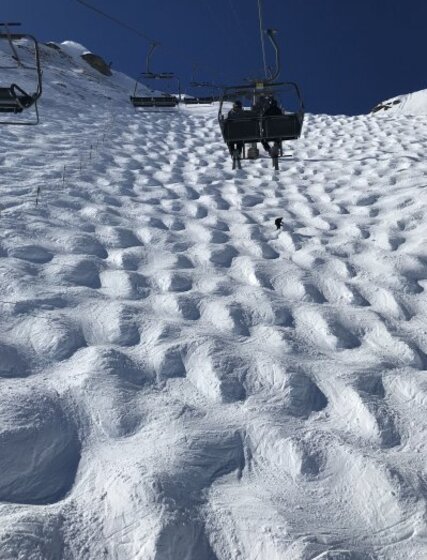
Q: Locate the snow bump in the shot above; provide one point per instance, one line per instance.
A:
(39, 447)
(12, 363)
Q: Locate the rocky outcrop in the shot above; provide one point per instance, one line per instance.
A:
(385, 106)
(98, 63)
(53, 45)
(414, 103)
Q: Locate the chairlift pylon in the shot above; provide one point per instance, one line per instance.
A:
(265, 118)
(14, 99)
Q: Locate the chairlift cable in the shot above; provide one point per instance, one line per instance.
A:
(117, 21)
(238, 22)
(226, 36)
(261, 31)
(239, 25)
(213, 17)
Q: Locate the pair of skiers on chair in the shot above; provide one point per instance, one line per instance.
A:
(264, 106)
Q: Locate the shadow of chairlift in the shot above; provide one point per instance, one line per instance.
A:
(14, 99)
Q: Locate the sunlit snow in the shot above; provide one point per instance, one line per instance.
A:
(180, 379)
(411, 104)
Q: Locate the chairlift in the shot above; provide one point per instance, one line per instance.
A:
(158, 101)
(255, 122)
(200, 100)
(14, 99)
(252, 126)
(155, 101)
(200, 85)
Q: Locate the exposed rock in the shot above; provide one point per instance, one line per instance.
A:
(98, 63)
(385, 106)
(53, 45)
(414, 103)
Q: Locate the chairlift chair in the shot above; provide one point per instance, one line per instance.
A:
(147, 101)
(14, 99)
(155, 101)
(200, 100)
(252, 127)
(202, 85)
(253, 124)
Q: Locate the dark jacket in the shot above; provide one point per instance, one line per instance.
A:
(235, 112)
(260, 106)
(273, 109)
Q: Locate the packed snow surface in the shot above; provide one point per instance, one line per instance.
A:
(179, 379)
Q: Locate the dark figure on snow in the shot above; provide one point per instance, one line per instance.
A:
(234, 113)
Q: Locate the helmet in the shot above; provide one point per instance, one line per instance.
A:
(238, 104)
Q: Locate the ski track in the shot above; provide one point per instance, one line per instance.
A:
(181, 380)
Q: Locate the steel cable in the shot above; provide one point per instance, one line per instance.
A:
(117, 21)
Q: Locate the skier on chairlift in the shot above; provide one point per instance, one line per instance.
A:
(235, 112)
(265, 123)
(272, 109)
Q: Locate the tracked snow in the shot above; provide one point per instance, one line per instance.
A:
(179, 379)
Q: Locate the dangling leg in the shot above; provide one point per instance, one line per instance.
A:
(266, 146)
(274, 152)
(236, 159)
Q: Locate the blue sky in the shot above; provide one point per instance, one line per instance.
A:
(345, 54)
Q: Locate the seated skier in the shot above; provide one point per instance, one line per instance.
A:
(272, 110)
(235, 112)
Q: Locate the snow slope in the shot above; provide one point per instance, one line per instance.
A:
(179, 380)
(411, 104)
